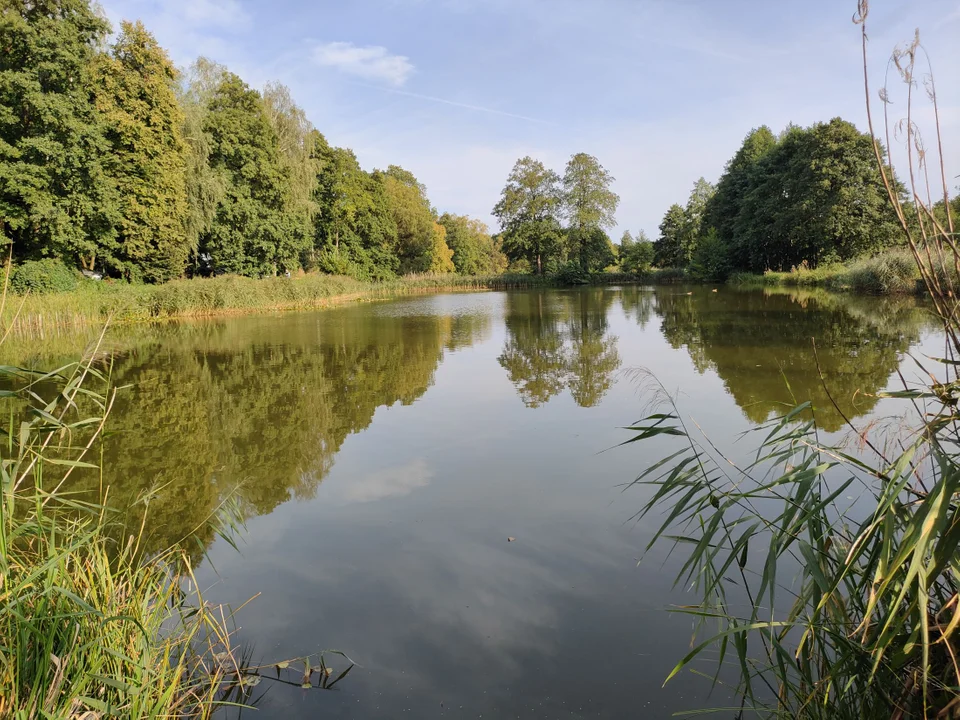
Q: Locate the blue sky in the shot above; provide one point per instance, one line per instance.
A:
(661, 92)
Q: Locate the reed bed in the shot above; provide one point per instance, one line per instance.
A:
(824, 571)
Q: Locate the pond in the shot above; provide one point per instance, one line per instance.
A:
(430, 484)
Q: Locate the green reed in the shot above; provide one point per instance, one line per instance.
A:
(825, 572)
(91, 626)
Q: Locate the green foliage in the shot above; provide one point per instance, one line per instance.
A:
(528, 211)
(636, 256)
(144, 125)
(732, 189)
(42, 276)
(590, 206)
(592, 249)
(205, 187)
(55, 197)
(815, 197)
(420, 246)
(474, 251)
(296, 139)
(711, 260)
(355, 232)
(250, 234)
(668, 247)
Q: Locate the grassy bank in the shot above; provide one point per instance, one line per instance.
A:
(892, 273)
(93, 303)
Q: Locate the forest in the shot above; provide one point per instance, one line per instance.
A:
(116, 163)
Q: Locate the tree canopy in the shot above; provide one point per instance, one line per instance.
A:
(810, 196)
(112, 160)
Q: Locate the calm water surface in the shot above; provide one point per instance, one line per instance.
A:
(383, 454)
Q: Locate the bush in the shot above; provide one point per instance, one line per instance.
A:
(572, 274)
(43, 276)
(711, 259)
(889, 273)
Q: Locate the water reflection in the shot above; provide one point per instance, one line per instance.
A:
(557, 341)
(258, 410)
(407, 412)
(762, 344)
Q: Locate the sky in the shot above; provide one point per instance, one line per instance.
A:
(661, 92)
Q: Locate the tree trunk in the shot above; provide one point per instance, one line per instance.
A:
(539, 265)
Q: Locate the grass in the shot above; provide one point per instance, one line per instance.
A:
(94, 303)
(894, 272)
(90, 625)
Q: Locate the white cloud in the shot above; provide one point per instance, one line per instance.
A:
(371, 62)
(389, 482)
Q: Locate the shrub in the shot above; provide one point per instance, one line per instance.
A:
(43, 276)
(889, 273)
(572, 274)
(711, 259)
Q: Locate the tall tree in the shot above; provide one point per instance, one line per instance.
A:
(205, 186)
(55, 198)
(816, 197)
(693, 219)
(589, 205)
(668, 248)
(355, 233)
(732, 188)
(529, 211)
(147, 159)
(248, 233)
(296, 142)
(418, 246)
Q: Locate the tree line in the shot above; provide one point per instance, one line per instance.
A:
(112, 160)
(808, 195)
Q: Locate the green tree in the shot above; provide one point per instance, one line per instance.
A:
(816, 197)
(668, 248)
(636, 256)
(693, 219)
(55, 197)
(732, 188)
(528, 211)
(135, 96)
(205, 186)
(249, 234)
(589, 205)
(419, 246)
(300, 165)
(474, 251)
(355, 232)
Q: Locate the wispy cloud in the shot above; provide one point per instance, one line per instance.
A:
(372, 62)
